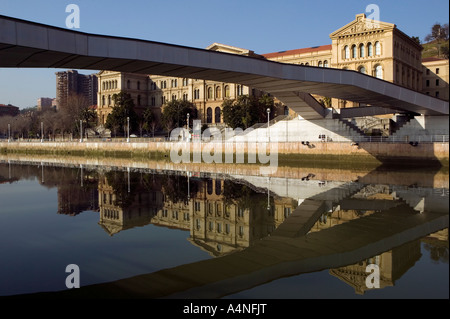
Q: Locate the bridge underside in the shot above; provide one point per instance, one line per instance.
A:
(25, 44)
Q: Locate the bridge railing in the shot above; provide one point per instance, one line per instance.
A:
(260, 138)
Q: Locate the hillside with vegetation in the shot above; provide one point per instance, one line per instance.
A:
(437, 42)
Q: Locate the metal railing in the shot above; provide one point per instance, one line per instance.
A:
(259, 138)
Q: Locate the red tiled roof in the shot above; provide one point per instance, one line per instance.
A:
(297, 51)
(9, 105)
(430, 59)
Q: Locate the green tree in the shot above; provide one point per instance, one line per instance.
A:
(416, 39)
(246, 111)
(174, 114)
(148, 121)
(123, 108)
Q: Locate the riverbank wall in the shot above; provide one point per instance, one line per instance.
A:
(286, 151)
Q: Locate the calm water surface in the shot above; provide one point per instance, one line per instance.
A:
(220, 236)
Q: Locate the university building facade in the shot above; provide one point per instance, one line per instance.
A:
(374, 48)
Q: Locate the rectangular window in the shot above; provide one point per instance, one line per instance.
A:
(287, 212)
(428, 83)
(437, 82)
(437, 70)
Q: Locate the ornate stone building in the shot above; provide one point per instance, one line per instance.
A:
(435, 77)
(371, 47)
(110, 83)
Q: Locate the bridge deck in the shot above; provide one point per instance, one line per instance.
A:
(25, 44)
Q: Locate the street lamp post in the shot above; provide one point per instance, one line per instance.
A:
(187, 120)
(268, 130)
(81, 132)
(128, 129)
(42, 132)
(9, 132)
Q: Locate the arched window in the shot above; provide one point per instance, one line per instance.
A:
(218, 187)
(379, 71)
(377, 48)
(362, 69)
(209, 115)
(115, 84)
(320, 64)
(286, 110)
(103, 99)
(239, 90)
(138, 85)
(217, 115)
(325, 64)
(218, 92)
(209, 186)
(109, 99)
(354, 52)
(209, 93)
(346, 52)
(139, 100)
(103, 85)
(369, 49)
(361, 50)
(306, 63)
(227, 91)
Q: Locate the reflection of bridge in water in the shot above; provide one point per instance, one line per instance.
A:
(389, 217)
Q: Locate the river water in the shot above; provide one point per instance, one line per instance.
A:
(193, 234)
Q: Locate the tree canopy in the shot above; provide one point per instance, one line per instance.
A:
(123, 108)
(246, 111)
(174, 114)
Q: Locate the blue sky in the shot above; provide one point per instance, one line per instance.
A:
(260, 25)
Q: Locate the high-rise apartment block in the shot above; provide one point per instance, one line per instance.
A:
(72, 83)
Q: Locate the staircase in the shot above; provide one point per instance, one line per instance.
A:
(400, 122)
(352, 126)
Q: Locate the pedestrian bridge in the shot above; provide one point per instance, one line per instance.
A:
(25, 44)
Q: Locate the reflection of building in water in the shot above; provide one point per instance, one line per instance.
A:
(221, 225)
(115, 217)
(217, 224)
(437, 245)
(392, 265)
(72, 199)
